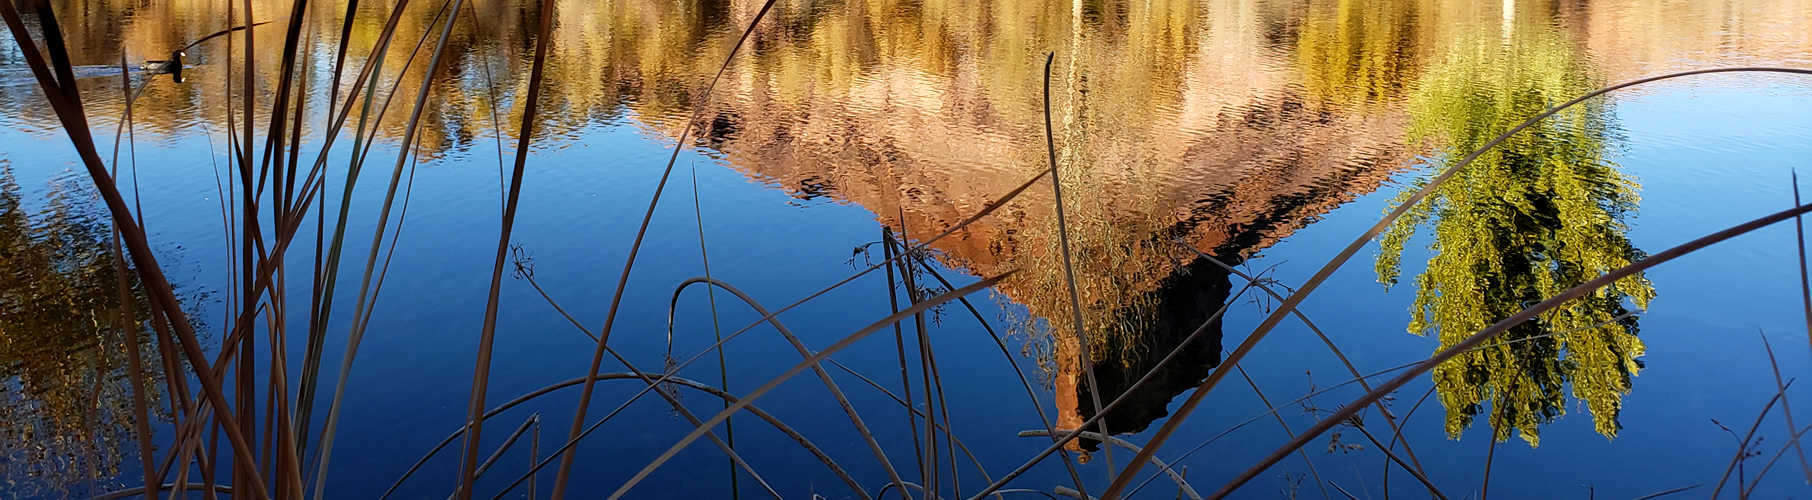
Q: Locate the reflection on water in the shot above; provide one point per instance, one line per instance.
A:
(1183, 303)
(65, 401)
(1228, 124)
(1531, 218)
(1359, 55)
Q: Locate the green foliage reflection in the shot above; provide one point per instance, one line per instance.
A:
(1540, 213)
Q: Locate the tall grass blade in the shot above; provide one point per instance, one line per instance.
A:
(669, 378)
(849, 410)
(1349, 495)
(902, 402)
(1031, 394)
(984, 212)
(1660, 494)
(610, 314)
(325, 285)
(1069, 272)
(1793, 438)
(1389, 419)
(1742, 453)
(362, 314)
(141, 490)
(1287, 432)
(533, 420)
(1786, 409)
(1187, 490)
(899, 345)
(926, 368)
(653, 383)
(481, 372)
(1130, 390)
(789, 373)
(228, 31)
(723, 365)
(327, 272)
(1397, 435)
(127, 322)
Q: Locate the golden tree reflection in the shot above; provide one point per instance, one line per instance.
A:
(1357, 54)
(65, 401)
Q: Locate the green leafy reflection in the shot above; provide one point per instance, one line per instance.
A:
(1540, 213)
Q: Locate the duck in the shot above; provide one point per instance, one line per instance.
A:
(173, 66)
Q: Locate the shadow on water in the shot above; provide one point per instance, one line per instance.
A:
(1185, 302)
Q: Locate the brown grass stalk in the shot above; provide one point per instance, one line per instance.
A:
(610, 315)
(1286, 429)
(753, 410)
(1663, 493)
(1757, 482)
(902, 402)
(804, 352)
(1786, 408)
(1742, 453)
(984, 212)
(927, 370)
(899, 345)
(730, 451)
(795, 370)
(1044, 419)
(533, 420)
(127, 323)
(1414, 466)
(1130, 390)
(481, 371)
(1187, 490)
(653, 383)
(363, 311)
(141, 490)
(1069, 274)
(849, 410)
(793, 339)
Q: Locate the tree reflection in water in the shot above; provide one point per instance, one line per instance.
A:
(1540, 213)
(65, 400)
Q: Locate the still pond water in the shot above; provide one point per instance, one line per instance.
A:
(1265, 133)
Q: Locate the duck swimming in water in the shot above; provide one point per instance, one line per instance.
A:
(173, 67)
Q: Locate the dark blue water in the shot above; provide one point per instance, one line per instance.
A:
(1708, 153)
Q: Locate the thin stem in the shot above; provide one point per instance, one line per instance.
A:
(1069, 271)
